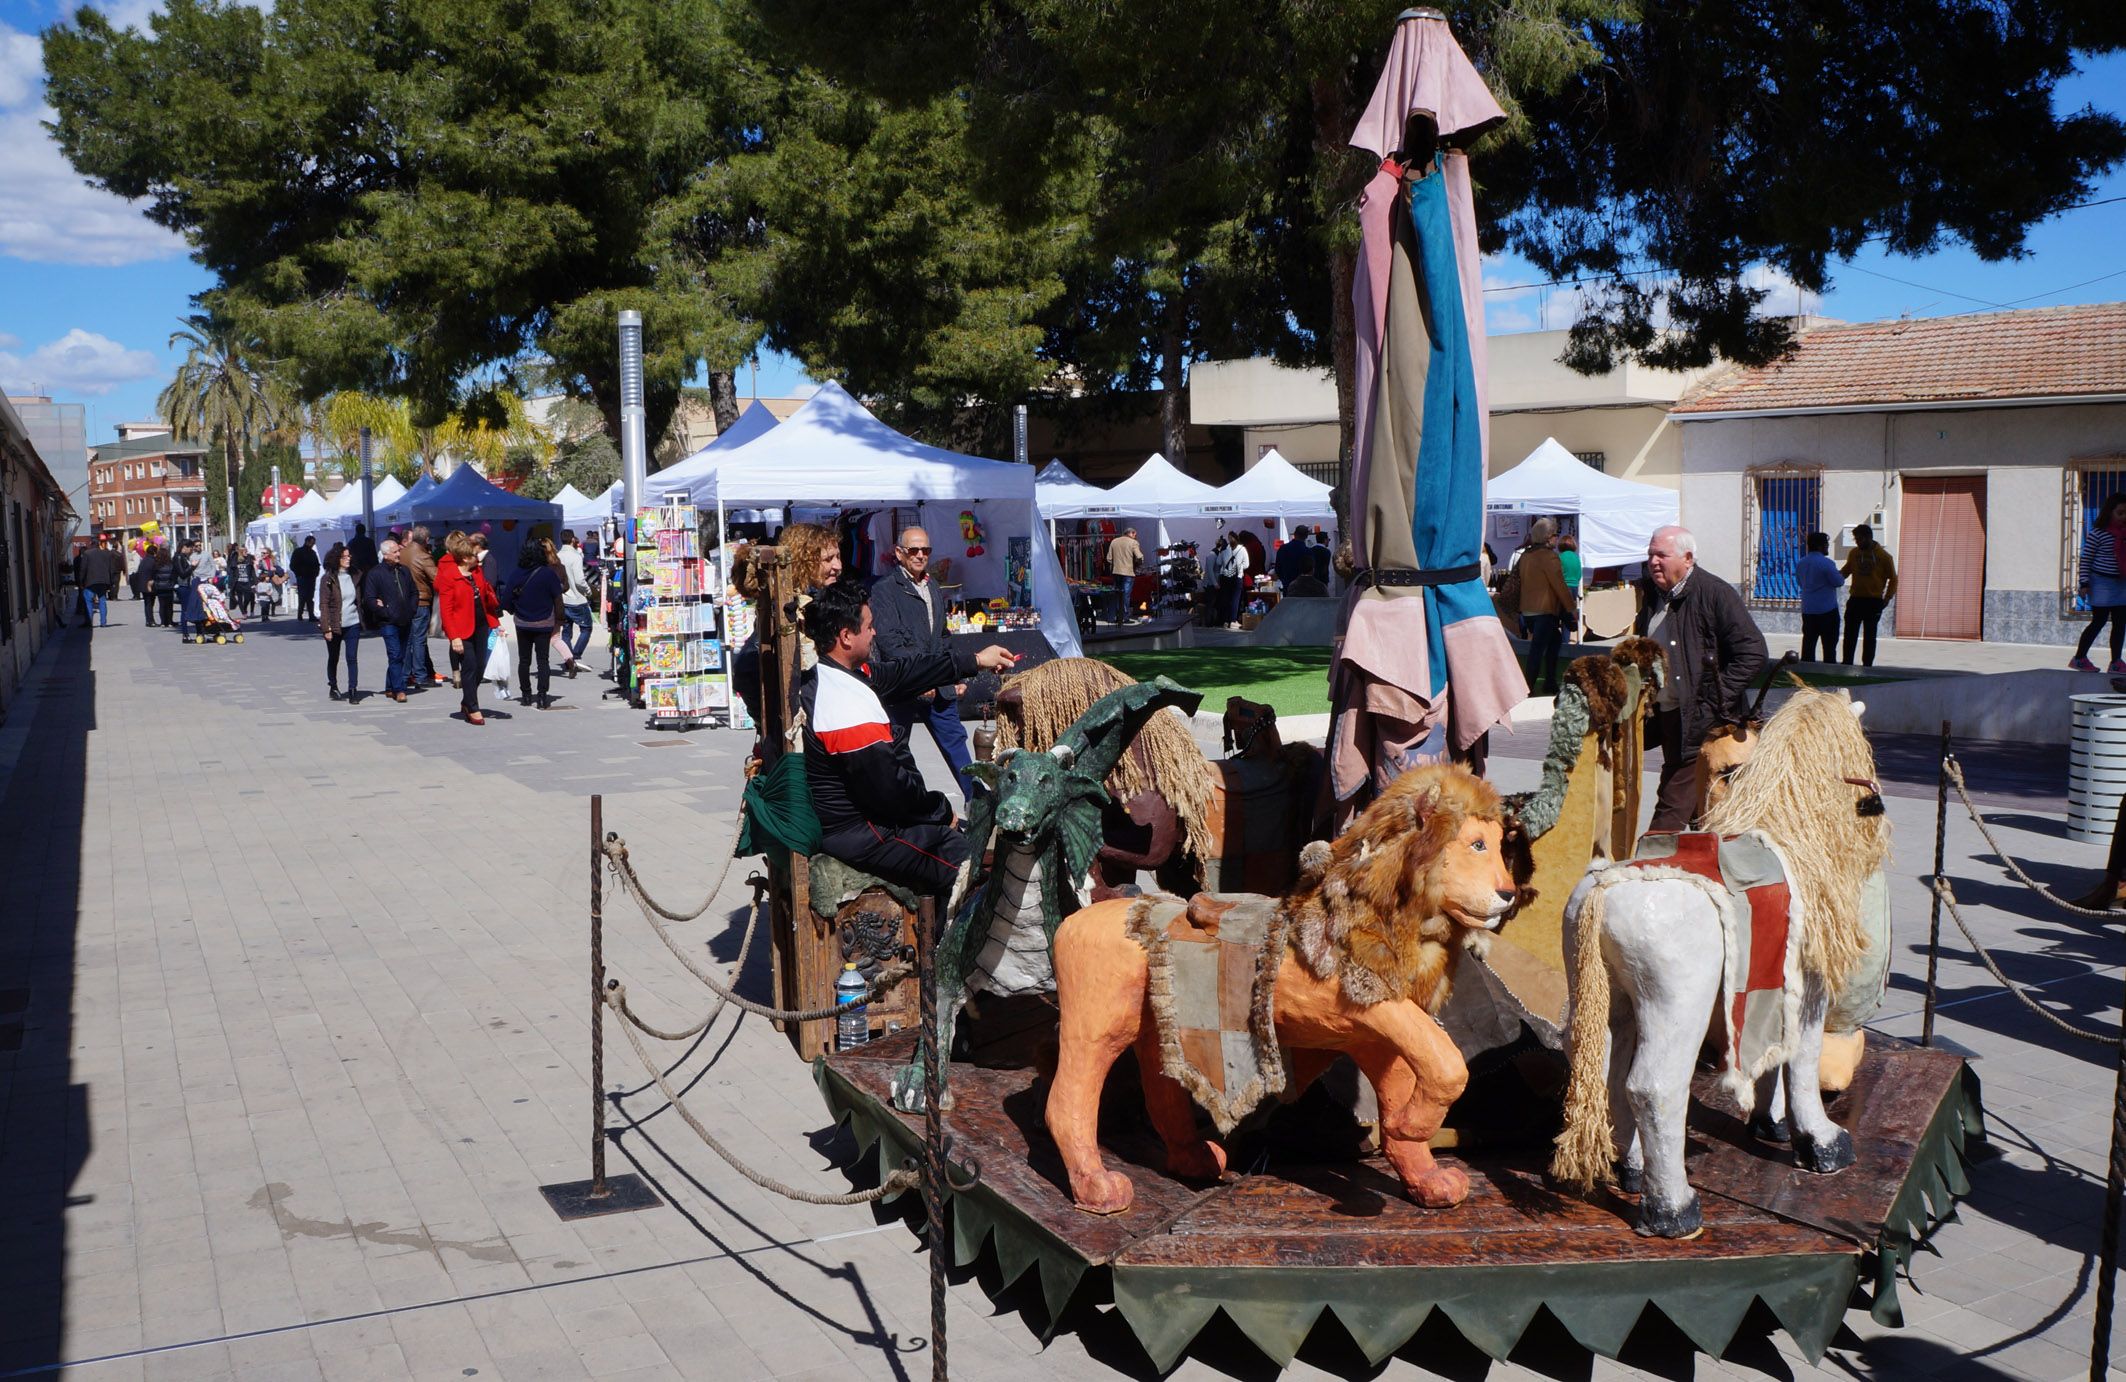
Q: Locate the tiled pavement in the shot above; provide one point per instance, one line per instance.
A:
(304, 1030)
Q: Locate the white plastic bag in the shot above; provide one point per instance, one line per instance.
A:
(502, 656)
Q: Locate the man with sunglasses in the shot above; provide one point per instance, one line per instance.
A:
(909, 611)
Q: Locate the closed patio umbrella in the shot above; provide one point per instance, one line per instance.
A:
(1423, 669)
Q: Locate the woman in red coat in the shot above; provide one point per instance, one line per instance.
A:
(467, 605)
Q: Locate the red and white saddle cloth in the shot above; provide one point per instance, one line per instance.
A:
(1760, 992)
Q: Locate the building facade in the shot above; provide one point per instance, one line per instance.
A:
(148, 475)
(1977, 447)
(60, 432)
(34, 521)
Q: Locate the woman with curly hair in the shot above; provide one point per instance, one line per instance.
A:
(815, 557)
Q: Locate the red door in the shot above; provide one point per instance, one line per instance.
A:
(1941, 557)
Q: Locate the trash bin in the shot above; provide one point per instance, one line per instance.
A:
(2096, 766)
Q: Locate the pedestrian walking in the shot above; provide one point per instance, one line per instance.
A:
(101, 570)
(1233, 582)
(575, 602)
(469, 610)
(162, 587)
(2103, 584)
(339, 619)
(1873, 578)
(243, 579)
(1545, 603)
(304, 566)
(533, 599)
(1124, 556)
(1820, 580)
(1714, 652)
(131, 554)
(387, 610)
(419, 556)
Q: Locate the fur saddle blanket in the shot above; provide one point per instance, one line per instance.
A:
(1744, 879)
(1213, 985)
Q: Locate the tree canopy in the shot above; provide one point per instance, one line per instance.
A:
(417, 197)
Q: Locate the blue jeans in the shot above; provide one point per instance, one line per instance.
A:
(98, 605)
(943, 717)
(577, 636)
(395, 649)
(419, 670)
(348, 641)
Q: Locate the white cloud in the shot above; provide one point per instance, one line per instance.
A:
(50, 213)
(8, 342)
(80, 362)
(1782, 297)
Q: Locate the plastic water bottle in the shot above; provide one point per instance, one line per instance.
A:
(852, 1024)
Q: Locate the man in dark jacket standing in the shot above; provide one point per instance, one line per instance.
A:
(388, 603)
(102, 567)
(1714, 652)
(304, 567)
(908, 610)
(875, 813)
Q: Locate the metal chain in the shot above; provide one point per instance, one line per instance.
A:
(903, 1179)
(1948, 896)
(1955, 771)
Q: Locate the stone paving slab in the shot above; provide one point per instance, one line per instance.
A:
(306, 1027)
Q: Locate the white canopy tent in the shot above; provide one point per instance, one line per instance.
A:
(260, 530)
(833, 454)
(755, 422)
(1616, 517)
(1274, 488)
(1158, 491)
(580, 511)
(343, 510)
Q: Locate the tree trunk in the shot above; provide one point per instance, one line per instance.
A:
(723, 398)
(1331, 153)
(1173, 383)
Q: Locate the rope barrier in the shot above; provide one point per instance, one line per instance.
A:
(1955, 771)
(1948, 895)
(903, 1179)
(616, 856)
(616, 849)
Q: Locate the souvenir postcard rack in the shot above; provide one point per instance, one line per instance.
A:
(678, 649)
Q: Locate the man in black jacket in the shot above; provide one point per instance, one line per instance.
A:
(388, 601)
(908, 610)
(1714, 652)
(875, 813)
(304, 567)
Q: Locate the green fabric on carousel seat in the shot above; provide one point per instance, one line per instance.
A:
(834, 883)
(778, 810)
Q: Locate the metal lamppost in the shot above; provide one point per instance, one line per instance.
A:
(368, 490)
(277, 552)
(634, 462)
(230, 499)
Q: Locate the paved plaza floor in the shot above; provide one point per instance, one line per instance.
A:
(293, 1025)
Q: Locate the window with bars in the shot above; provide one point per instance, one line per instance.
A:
(2087, 485)
(1782, 505)
(1593, 460)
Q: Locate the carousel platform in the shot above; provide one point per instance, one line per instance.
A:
(1278, 1249)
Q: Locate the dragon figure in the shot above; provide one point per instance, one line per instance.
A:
(1034, 834)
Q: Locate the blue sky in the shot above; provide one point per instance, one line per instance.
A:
(90, 290)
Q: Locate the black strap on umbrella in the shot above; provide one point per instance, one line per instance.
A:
(1446, 575)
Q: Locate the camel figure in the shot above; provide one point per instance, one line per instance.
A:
(1357, 958)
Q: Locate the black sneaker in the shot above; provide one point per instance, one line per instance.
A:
(334, 692)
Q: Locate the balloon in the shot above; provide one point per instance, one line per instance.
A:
(487, 527)
(150, 526)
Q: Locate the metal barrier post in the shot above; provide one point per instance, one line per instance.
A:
(581, 1199)
(1941, 836)
(2108, 1245)
(926, 937)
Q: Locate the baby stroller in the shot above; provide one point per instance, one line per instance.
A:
(216, 621)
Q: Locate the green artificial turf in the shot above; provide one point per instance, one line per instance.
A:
(1293, 681)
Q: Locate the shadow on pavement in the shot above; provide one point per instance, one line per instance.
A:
(44, 1118)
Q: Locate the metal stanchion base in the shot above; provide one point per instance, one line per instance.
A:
(572, 1199)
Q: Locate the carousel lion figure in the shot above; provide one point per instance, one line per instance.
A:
(1357, 958)
(1768, 920)
(1237, 824)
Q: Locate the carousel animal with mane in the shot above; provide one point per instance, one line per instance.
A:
(1357, 958)
(1235, 824)
(1762, 922)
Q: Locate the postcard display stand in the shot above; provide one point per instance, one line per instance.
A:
(678, 652)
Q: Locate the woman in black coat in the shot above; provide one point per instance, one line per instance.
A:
(162, 584)
(534, 602)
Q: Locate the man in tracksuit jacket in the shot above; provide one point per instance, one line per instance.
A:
(875, 812)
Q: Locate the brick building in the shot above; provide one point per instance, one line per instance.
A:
(146, 475)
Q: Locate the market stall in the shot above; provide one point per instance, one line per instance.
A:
(1274, 488)
(833, 461)
(335, 522)
(1613, 518)
(467, 500)
(679, 479)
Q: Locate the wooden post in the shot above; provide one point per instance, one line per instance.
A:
(598, 1189)
(1941, 836)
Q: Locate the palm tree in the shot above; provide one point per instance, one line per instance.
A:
(219, 393)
